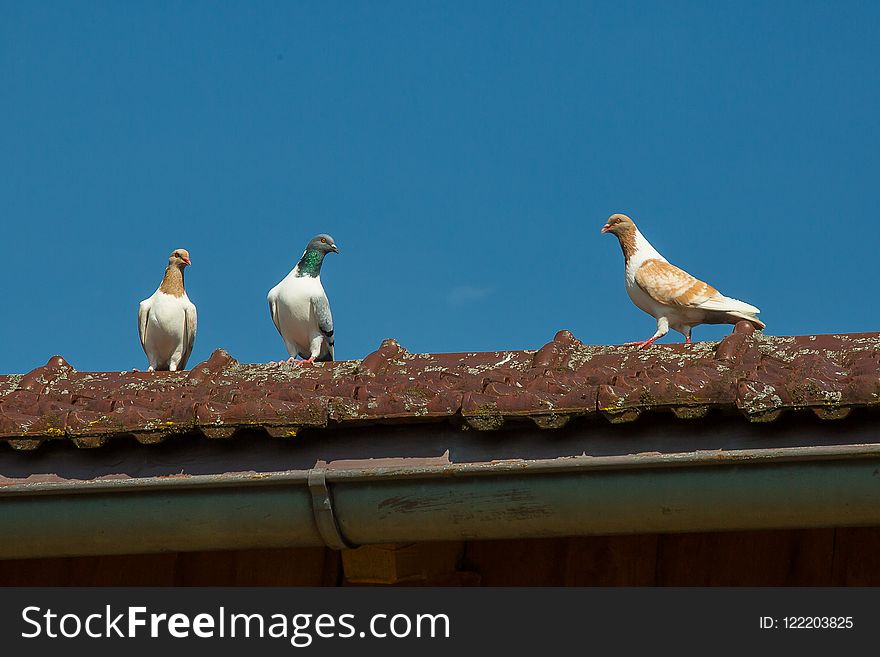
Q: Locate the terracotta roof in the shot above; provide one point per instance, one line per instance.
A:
(747, 372)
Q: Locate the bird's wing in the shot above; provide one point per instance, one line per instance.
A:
(143, 316)
(321, 308)
(273, 310)
(189, 333)
(671, 286)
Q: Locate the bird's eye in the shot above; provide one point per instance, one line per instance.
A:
(323, 241)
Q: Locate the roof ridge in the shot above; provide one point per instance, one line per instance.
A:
(747, 372)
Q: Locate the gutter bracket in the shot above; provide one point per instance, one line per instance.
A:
(324, 513)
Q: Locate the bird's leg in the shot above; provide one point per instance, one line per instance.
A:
(662, 329)
(315, 346)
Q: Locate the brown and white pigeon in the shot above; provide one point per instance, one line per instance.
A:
(167, 320)
(675, 298)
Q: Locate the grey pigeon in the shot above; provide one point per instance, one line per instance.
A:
(299, 306)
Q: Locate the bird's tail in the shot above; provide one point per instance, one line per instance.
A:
(734, 308)
(750, 317)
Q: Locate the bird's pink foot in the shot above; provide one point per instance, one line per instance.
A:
(641, 343)
(688, 341)
(294, 361)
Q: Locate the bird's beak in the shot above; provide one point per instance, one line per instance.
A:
(606, 228)
(334, 248)
(187, 261)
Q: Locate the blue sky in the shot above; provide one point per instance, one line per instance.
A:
(463, 155)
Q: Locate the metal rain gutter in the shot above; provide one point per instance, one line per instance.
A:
(346, 507)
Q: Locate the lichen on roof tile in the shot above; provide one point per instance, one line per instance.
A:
(760, 376)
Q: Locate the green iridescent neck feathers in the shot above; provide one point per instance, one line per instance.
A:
(310, 263)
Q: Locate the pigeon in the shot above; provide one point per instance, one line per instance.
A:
(675, 298)
(167, 320)
(300, 309)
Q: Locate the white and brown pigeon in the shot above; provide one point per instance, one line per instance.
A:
(167, 320)
(675, 298)
(300, 308)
